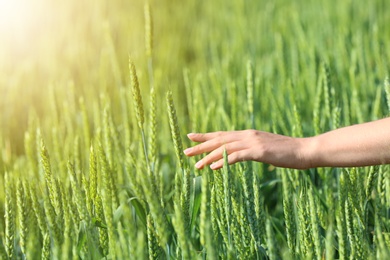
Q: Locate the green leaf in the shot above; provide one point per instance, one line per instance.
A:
(139, 210)
(196, 199)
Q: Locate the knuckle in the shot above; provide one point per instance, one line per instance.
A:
(252, 133)
(206, 159)
(219, 134)
(233, 158)
(196, 148)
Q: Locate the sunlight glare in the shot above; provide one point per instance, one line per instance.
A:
(20, 21)
(14, 14)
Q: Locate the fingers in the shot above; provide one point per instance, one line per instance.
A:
(205, 147)
(232, 159)
(216, 143)
(217, 154)
(195, 137)
(210, 141)
(226, 137)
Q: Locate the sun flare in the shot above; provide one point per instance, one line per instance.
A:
(20, 23)
(15, 15)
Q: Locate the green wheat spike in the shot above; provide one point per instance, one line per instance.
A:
(185, 199)
(356, 189)
(336, 117)
(50, 185)
(100, 219)
(381, 192)
(153, 246)
(58, 195)
(46, 249)
(38, 210)
(108, 183)
(175, 131)
(244, 218)
(315, 225)
(237, 222)
(371, 181)
(227, 194)
(78, 197)
(306, 238)
(220, 195)
(205, 208)
(137, 98)
(47, 168)
(68, 225)
(109, 197)
(297, 129)
(376, 105)
(214, 213)
(9, 216)
(341, 216)
(23, 214)
(289, 215)
(350, 227)
(152, 144)
(53, 225)
(250, 206)
(93, 180)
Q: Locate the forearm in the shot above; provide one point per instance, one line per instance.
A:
(357, 145)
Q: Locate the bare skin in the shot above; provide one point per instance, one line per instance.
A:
(357, 145)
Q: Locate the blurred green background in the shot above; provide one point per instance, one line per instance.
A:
(50, 49)
(297, 68)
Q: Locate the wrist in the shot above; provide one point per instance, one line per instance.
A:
(307, 151)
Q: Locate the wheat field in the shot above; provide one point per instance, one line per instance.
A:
(97, 98)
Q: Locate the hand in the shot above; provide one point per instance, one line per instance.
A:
(248, 145)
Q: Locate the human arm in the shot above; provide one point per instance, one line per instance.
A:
(356, 145)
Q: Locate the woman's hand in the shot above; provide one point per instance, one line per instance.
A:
(352, 146)
(249, 145)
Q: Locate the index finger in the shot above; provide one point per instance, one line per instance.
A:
(225, 136)
(203, 137)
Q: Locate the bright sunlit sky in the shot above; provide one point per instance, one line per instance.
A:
(16, 17)
(22, 24)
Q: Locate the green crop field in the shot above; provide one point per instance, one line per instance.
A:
(96, 99)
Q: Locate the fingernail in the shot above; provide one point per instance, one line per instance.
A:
(191, 135)
(213, 166)
(198, 164)
(187, 151)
